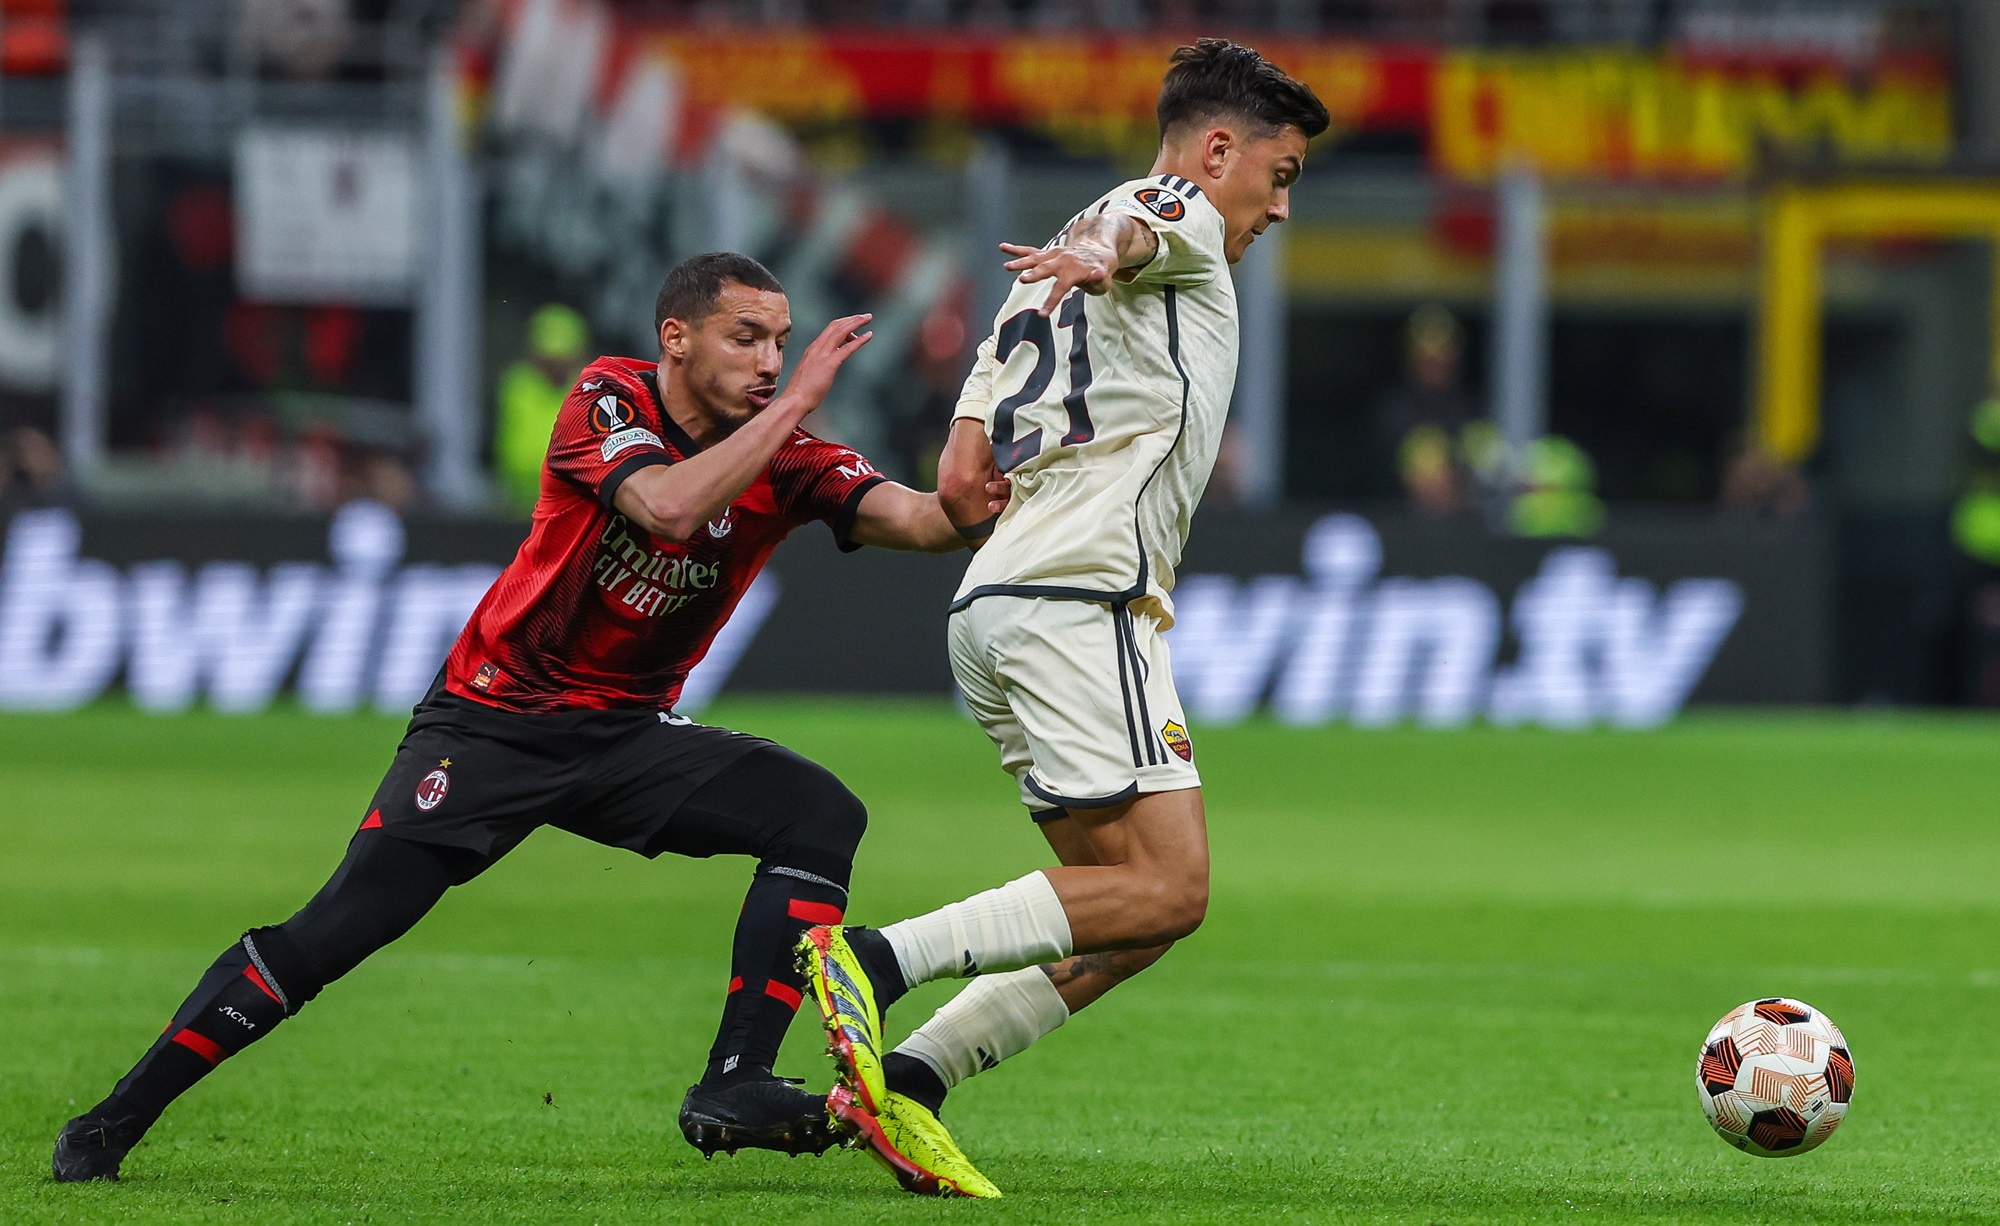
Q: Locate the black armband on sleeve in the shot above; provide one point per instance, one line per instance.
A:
(843, 522)
(608, 491)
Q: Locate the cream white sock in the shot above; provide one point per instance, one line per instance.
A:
(997, 1016)
(1018, 924)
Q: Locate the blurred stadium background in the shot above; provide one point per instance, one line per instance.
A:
(1619, 353)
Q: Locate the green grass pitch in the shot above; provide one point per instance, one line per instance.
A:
(1447, 977)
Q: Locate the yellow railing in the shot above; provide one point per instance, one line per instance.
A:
(1797, 222)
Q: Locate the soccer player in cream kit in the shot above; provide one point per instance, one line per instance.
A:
(1100, 397)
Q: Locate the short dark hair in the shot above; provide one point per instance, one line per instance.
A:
(691, 288)
(1218, 79)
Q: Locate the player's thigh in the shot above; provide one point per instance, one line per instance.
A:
(973, 668)
(1090, 701)
(696, 790)
(1163, 835)
(469, 779)
(639, 784)
(1068, 839)
(790, 812)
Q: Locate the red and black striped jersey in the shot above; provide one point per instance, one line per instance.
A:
(595, 612)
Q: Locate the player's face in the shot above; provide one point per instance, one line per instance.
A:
(731, 358)
(1254, 189)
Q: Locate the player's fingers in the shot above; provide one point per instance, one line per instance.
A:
(1057, 292)
(841, 330)
(1018, 249)
(999, 487)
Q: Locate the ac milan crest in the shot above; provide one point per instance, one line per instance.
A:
(431, 791)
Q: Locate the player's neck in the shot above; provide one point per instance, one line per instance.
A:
(1174, 161)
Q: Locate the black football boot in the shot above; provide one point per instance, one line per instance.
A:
(757, 1113)
(92, 1145)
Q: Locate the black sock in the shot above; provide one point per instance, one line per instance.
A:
(381, 887)
(878, 958)
(765, 989)
(232, 1007)
(912, 1078)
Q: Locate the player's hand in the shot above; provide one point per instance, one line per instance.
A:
(812, 379)
(1085, 265)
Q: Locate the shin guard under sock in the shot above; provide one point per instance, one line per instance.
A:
(233, 1006)
(996, 1017)
(765, 988)
(1020, 924)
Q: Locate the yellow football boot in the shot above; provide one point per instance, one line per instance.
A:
(907, 1139)
(846, 1000)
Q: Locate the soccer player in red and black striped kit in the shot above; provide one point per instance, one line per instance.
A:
(666, 487)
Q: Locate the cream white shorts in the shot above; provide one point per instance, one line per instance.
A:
(1078, 696)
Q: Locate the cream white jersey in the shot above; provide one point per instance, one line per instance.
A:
(1107, 416)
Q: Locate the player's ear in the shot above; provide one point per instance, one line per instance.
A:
(673, 338)
(1216, 146)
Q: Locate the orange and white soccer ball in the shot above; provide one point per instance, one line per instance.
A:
(1775, 1077)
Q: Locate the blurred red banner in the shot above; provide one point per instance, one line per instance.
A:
(1581, 112)
(1041, 81)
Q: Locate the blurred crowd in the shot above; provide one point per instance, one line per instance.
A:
(243, 452)
(1450, 459)
(1435, 21)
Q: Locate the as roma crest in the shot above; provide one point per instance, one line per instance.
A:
(1176, 738)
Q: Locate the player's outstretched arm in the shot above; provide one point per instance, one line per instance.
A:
(673, 501)
(971, 494)
(892, 516)
(1094, 253)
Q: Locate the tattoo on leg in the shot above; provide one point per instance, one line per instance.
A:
(1061, 973)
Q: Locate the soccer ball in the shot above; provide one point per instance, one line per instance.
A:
(1775, 1077)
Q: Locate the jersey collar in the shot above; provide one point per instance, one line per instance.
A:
(669, 428)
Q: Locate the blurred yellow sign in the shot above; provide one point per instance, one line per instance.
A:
(1617, 114)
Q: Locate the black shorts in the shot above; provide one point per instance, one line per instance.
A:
(473, 776)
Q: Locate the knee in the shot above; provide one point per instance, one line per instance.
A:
(1186, 913)
(1174, 907)
(826, 830)
(290, 970)
(844, 818)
